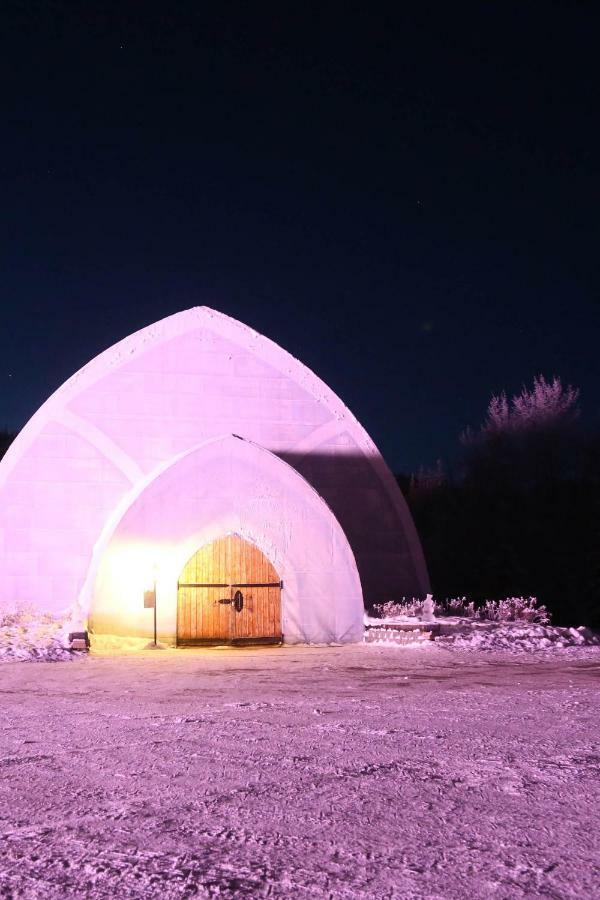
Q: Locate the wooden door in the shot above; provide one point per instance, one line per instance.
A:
(229, 592)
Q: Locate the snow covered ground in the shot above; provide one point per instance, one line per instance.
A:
(357, 771)
(454, 632)
(35, 637)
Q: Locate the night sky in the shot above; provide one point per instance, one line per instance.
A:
(407, 202)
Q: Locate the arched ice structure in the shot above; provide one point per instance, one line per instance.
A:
(124, 421)
(237, 486)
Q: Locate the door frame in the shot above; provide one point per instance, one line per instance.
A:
(232, 587)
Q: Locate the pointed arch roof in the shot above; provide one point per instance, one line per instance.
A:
(331, 430)
(175, 325)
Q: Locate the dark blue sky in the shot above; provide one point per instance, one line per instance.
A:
(408, 202)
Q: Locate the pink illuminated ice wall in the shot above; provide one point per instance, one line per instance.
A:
(191, 428)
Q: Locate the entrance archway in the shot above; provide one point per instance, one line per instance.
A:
(229, 592)
(226, 486)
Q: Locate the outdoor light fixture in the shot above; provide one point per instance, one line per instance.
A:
(150, 603)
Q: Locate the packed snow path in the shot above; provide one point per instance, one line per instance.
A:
(301, 772)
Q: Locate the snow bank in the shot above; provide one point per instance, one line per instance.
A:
(466, 634)
(517, 637)
(28, 636)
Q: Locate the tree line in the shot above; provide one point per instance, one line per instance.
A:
(519, 514)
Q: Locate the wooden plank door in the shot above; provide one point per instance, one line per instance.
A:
(228, 592)
(257, 614)
(203, 584)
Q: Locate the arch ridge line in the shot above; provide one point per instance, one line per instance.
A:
(317, 437)
(102, 442)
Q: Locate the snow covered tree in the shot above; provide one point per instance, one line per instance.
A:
(520, 516)
(428, 479)
(530, 437)
(547, 405)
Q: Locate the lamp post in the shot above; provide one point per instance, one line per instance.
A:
(150, 603)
